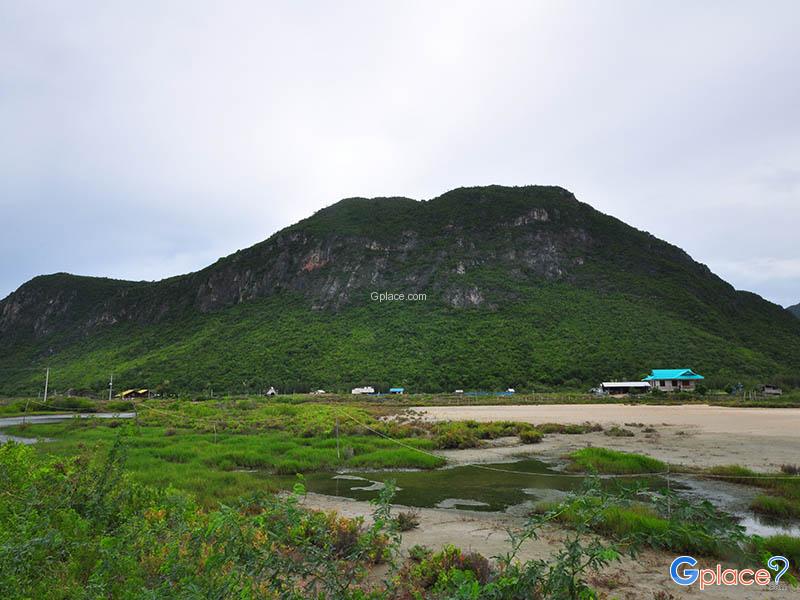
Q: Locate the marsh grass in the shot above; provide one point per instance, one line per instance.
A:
(784, 545)
(783, 491)
(224, 466)
(603, 460)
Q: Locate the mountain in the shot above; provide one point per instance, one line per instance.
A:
(524, 287)
(795, 310)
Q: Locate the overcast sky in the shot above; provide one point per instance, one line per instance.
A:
(140, 140)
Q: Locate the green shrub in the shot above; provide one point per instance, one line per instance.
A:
(604, 460)
(530, 436)
(616, 431)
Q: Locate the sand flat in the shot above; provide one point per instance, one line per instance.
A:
(695, 435)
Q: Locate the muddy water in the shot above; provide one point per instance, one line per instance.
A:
(516, 487)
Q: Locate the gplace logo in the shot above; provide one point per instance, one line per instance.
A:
(683, 573)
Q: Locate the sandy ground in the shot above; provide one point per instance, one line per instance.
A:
(701, 436)
(694, 435)
(639, 579)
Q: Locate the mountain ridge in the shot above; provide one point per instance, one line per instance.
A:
(480, 254)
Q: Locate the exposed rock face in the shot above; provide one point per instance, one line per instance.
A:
(444, 248)
(528, 281)
(795, 310)
(533, 215)
(330, 266)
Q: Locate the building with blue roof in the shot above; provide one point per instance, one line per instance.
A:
(397, 390)
(673, 380)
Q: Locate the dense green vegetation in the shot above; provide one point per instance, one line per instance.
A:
(564, 298)
(664, 520)
(795, 310)
(219, 450)
(79, 528)
(603, 460)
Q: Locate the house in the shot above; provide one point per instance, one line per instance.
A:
(623, 388)
(272, 391)
(770, 390)
(397, 390)
(673, 380)
(363, 390)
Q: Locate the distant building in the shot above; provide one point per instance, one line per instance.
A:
(673, 380)
(363, 390)
(272, 392)
(623, 388)
(397, 390)
(127, 394)
(770, 390)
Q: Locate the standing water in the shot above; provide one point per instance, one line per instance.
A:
(517, 486)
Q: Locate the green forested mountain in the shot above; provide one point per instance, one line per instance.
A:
(524, 287)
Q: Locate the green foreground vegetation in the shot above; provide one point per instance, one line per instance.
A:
(81, 528)
(132, 507)
(221, 449)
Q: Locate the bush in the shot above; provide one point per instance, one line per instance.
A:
(407, 520)
(571, 429)
(619, 432)
(530, 436)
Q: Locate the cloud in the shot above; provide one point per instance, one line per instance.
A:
(144, 139)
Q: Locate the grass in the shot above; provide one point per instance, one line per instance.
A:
(776, 506)
(603, 460)
(640, 521)
(221, 451)
(783, 491)
(784, 545)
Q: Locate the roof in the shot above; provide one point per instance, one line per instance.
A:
(682, 374)
(397, 389)
(625, 384)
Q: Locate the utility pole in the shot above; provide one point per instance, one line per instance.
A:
(338, 456)
(46, 382)
(110, 387)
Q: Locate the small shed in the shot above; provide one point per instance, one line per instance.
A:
(623, 388)
(272, 392)
(397, 390)
(770, 390)
(367, 389)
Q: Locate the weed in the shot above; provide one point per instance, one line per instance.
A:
(407, 520)
(616, 431)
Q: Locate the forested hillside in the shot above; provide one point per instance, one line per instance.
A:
(524, 287)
